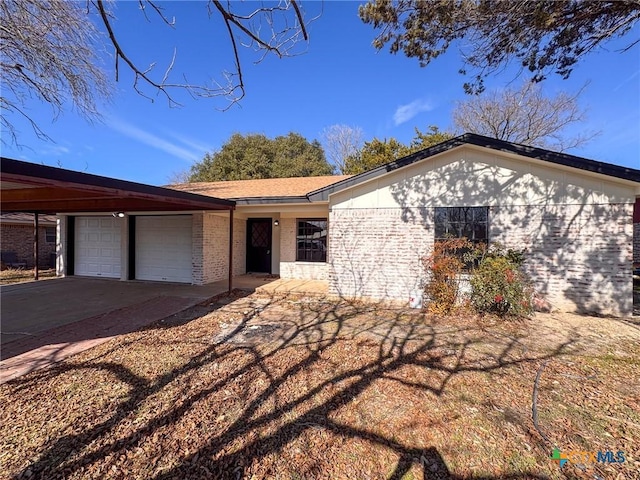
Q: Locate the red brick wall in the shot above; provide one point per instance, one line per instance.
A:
(19, 239)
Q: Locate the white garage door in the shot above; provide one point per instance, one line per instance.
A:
(163, 248)
(97, 250)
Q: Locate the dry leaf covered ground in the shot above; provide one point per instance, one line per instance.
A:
(305, 388)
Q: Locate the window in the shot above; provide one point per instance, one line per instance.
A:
(471, 223)
(312, 240)
(50, 234)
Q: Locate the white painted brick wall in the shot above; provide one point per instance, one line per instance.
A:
(579, 256)
(377, 253)
(289, 268)
(239, 246)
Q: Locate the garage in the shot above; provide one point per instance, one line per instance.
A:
(98, 247)
(112, 228)
(163, 248)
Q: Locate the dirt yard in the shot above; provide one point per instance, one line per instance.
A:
(303, 388)
(18, 275)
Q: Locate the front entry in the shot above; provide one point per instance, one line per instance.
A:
(259, 245)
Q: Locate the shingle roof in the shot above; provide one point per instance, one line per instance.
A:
(262, 188)
(27, 218)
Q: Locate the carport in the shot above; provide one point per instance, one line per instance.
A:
(40, 189)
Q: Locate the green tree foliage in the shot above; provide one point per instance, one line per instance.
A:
(378, 152)
(543, 36)
(256, 156)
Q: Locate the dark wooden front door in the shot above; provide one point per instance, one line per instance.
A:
(259, 245)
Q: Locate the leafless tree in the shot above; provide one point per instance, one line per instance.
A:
(50, 50)
(341, 142)
(47, 52)
(524, 116)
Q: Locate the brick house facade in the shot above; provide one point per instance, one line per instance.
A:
(16, 239)
(575, 227)
(366, 235)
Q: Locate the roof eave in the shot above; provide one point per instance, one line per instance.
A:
(563, 159)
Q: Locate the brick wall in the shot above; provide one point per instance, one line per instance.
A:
(239, 246)
(211, 248)
(636, 243)
(289, 268)
(579, 256)
(19, 239)
(377, 253)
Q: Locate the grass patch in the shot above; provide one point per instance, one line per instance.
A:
(343, 390)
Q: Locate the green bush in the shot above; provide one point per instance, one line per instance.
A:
(499, 286)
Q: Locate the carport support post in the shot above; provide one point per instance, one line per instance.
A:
(35, 245)
(230, 249)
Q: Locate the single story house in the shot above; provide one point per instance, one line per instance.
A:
(366, 234)
(17, 240)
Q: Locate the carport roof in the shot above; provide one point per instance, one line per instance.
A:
(28, 187)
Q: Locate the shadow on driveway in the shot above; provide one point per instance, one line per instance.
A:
(45, 322)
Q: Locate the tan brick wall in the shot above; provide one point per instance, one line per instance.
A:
(578, 256)
(19, 239)
(289, 268)
(239, 246)
(636, 243)
(211, 247)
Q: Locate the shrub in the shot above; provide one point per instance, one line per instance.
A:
(499, 286)
(444, 265)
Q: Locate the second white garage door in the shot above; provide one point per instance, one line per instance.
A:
(163, 248)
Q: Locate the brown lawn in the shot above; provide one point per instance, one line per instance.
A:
(304, 388)
(18, 275)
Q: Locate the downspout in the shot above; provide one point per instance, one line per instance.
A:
(231, 249)
(35, 246)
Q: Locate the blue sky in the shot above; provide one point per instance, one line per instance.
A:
(341, 79)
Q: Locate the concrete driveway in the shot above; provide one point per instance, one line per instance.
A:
(29, 308)
(45, 322)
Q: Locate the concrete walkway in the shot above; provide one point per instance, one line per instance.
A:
(46, 322)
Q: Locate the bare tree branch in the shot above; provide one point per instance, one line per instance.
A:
(524, 116)
(340, 143)
(48, 51)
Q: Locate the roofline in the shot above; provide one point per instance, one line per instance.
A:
(71, 177)
(557, 158)
(271, 200)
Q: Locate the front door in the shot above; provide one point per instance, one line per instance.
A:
(259, 245)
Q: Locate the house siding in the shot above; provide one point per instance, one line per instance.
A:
(19, 239)
(577, 228)
(210, 248)
(636, 243)
(578, 256)
(377, 253)
(289, 268)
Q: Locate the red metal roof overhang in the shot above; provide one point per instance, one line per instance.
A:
(29, 187)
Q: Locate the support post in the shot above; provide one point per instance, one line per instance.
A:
(36, 257)
(230, 249)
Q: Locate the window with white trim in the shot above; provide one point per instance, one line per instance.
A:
(311, 240)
